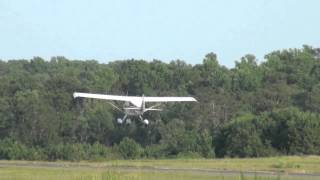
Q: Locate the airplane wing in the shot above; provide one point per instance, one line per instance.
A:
(168, 99)
(135, 100)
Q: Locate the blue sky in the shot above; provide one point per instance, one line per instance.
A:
(108, 30)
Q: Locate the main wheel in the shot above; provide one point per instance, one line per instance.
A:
(146, 122)
(119, 121)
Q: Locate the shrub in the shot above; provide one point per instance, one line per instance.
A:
(155, 151)
(295, 132)
(99, 152)
(13, 150)
(242, 138)
(205, 145)
(71, 152)
(129, 149)
(189, 155)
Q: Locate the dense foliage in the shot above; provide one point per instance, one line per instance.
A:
(250, 110)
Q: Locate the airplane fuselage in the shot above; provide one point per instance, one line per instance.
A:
(133, 111)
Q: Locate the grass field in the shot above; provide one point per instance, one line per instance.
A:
(282, 168)
(27, 173)
(287, 164)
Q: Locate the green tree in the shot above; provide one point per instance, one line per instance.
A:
(242, 138)
(295, 132)
(246, 75)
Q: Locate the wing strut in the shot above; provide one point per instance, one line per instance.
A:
(116, 107)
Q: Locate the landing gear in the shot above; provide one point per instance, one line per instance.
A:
(144, 121)
(129, 121)
(120, 121)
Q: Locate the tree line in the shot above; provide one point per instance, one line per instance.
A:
(251, 110)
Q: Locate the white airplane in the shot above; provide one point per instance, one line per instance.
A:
(138, 104)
